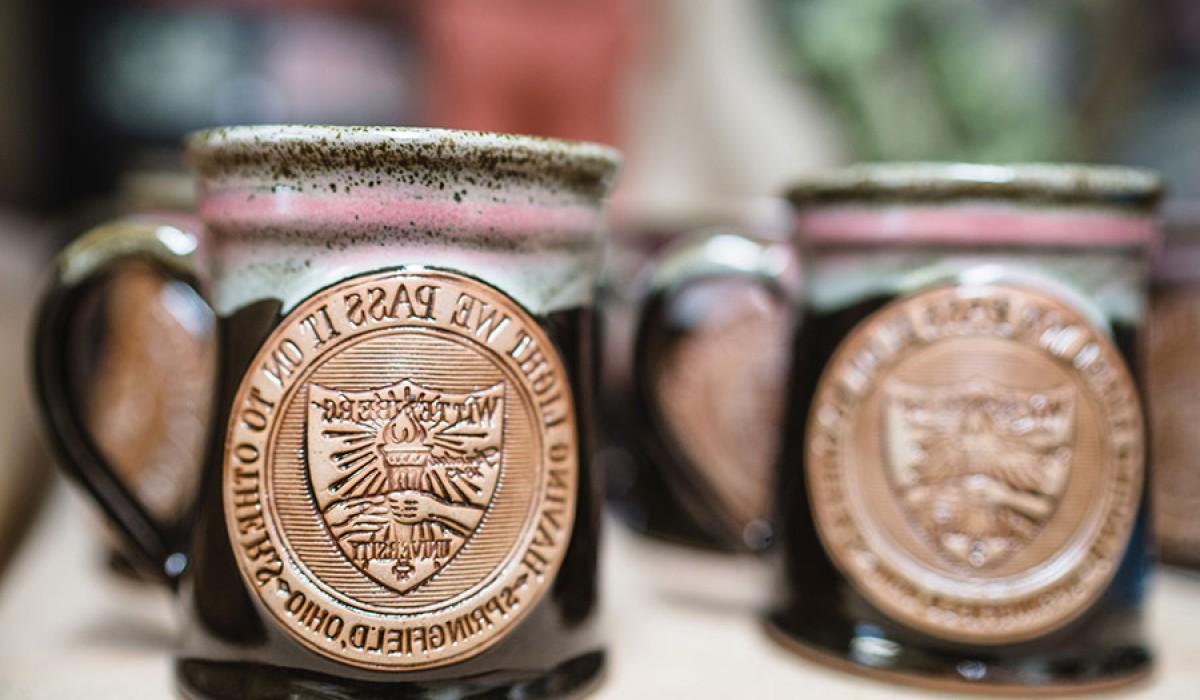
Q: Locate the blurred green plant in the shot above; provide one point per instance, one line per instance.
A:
(945, 79)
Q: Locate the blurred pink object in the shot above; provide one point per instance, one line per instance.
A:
(539, 67)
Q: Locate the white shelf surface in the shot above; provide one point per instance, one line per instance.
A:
(75, 631)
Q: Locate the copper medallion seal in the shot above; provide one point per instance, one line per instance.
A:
(400, 469)
(975, 460)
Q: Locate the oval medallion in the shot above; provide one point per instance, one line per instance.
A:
(974, 461)
(400, 469)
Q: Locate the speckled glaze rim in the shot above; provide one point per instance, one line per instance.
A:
(295, 151)
(1051, 183)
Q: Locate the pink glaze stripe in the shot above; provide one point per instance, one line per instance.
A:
(971, 225)
(392, 209)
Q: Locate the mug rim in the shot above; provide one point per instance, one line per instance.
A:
(290, 151)
(1037, 183)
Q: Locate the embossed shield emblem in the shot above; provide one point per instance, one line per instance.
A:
(403, 474)
(979, 467)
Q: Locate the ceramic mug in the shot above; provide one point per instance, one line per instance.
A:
(1173, 381)
(396, 496)
(963, 468)
(709, 361)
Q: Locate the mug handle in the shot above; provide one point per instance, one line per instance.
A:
(705, 254)
(170, 244)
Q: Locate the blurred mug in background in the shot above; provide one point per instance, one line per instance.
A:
(1173, 372)
(696, 348)
(147, 384)
(965, 445)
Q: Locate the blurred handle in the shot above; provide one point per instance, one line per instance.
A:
(718, 253)
(707, 255)
(169, 245)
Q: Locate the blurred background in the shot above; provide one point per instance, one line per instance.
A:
(711, 100)
(707, 97)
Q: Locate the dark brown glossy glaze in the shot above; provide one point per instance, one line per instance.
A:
(823, 610)
(235, 650)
